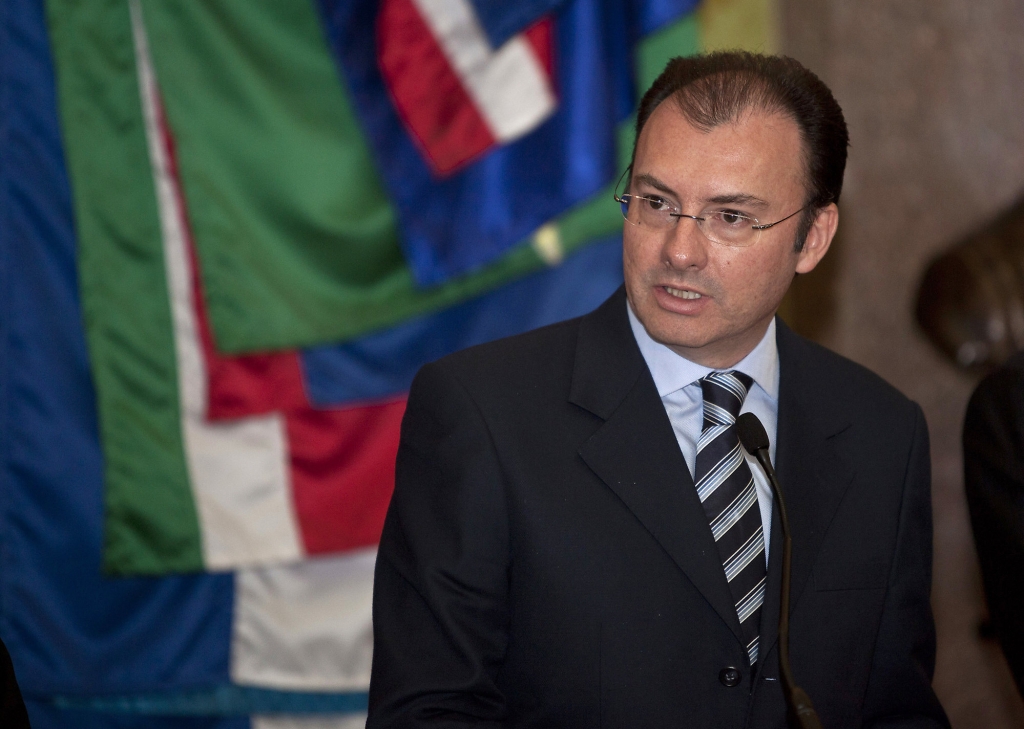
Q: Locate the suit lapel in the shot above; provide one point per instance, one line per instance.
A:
(635, 452)
(813, 471)
(636, 455)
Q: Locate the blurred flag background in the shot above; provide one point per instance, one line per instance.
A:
(230, 233)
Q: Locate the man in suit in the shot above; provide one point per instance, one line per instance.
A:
(576, 538)
(994, 480)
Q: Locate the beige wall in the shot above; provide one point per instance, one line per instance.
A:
(933, 92)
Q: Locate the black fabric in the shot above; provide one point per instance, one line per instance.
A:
(993, 441)
(13, 714)
(545, 560)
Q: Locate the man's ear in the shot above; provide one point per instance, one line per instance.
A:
(819, 238)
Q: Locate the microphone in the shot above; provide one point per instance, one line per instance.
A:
(755, 440)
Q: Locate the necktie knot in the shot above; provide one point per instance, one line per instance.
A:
(725, 390)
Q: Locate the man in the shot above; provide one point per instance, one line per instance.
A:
(994, 480)
(576, 539)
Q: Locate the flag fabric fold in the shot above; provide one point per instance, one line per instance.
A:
(456, 223)
(74, 633)
(69, 628)
(297, 242)
(267, 488)
(247, 472)
(502, 20)
(456, 94)
(383, 365)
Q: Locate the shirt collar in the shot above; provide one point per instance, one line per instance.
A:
(672, 371)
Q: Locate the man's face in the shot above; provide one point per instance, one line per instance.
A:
(709, 302)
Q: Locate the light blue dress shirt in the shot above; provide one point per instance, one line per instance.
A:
(677, 381)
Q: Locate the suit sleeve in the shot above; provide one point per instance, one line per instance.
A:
(994, 481)
(440, 603)
(899, 690)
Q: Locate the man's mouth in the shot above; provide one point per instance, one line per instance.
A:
(682, 293)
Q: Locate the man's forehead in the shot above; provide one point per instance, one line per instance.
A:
(757, 146)
(749, 120)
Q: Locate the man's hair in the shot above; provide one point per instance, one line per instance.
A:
(716, 88)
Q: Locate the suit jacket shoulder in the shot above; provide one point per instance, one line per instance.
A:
(549, 355)
(590, 362)
(835, 381)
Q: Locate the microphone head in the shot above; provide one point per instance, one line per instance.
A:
(751, 433)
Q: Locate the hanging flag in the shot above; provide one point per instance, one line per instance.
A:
(275, 643)
(94, 651)
(212, 463)
(297, 240)
(294, 480)
(458, 95)
(264, 489)
(277, 161)
(458, 212)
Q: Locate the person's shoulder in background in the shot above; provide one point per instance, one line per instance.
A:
(993, 442)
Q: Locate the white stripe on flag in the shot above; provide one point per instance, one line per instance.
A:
(238, 470)
(509, 86)
(315, 721)
(306, 626)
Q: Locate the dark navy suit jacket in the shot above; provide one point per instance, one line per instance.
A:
(545, 561)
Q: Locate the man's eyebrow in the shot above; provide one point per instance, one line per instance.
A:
(654, 182)
(736, 198)
(739, 198)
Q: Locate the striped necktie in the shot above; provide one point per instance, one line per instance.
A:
(726, 490)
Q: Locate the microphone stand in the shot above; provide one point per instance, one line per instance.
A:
(755, 440)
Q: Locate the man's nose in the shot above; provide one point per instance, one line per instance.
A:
(685, 245)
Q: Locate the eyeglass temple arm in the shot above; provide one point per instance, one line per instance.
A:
(772, 225)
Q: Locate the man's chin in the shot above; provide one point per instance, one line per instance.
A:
(700, 344)
(676, 337)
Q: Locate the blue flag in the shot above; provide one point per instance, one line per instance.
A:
(423, 106)
(69, 629)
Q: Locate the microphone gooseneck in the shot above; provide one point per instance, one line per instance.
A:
(755, 441)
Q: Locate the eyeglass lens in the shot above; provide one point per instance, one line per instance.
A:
(717, 226)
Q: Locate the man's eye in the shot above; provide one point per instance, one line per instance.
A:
(731, 217)
(657, 204)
